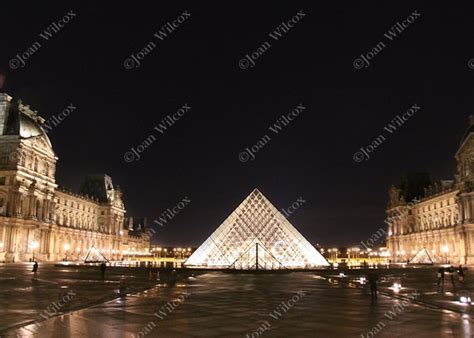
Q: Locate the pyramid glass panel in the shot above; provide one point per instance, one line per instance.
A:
(256, 236)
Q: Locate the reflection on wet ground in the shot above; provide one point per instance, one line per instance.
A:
(298, 304)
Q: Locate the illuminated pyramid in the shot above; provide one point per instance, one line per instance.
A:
(256, 236)
(94, 256)
(422, 257)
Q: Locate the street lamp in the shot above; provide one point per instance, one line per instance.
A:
(33, 246)
(403, 253)
(66, 248)
(445, 251)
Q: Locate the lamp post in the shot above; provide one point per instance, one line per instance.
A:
(33, 246)
(445, 251)
(403, 253)
(66, 248)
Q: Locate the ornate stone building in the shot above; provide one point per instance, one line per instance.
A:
(442, 221)
(37, 218)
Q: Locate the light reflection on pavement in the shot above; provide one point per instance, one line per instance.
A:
(231, 305)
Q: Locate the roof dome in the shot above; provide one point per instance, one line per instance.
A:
(18, 119)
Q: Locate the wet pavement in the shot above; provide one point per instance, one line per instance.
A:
(23, 299)
(300, 304)
(422, 281)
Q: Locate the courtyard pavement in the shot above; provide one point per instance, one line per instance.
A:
(299, 304)
(23, 298)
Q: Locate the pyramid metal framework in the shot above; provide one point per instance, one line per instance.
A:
(256, 236)
(422, 257)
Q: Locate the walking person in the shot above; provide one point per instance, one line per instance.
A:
(450, 272)
(35, 270)
(441, 280)
(461, 274)
(103, 267)
(373, 278)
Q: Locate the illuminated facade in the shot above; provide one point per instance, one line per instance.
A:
(256, 236)
(39, 219)
(443, 220)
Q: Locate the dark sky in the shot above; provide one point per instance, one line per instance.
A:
(232, 108)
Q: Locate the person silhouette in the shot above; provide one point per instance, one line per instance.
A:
(35, 270)
(373, 278)
(450, 271)
(103, 267)
(441, 280)
(461, 274)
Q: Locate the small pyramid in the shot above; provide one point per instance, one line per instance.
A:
(422, 257)
(256, 236)
(94, 256)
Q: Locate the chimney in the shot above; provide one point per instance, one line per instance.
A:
(3, 78)
(5, 100)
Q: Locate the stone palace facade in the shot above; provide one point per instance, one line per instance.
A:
(37, 218)
(442, 221)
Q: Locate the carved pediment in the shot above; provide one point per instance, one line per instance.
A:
(42, 144)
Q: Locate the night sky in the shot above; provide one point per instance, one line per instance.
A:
(312, 64)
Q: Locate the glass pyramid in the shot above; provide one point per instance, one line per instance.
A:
(256, 236)
(94, 256)
(422, 257)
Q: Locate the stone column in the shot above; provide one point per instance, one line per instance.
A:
(44, 210)
(16, 203)
(30, 212)
(52, 212)
(7, 245)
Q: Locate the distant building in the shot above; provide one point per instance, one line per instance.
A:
(40, 219)
(437, 217)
